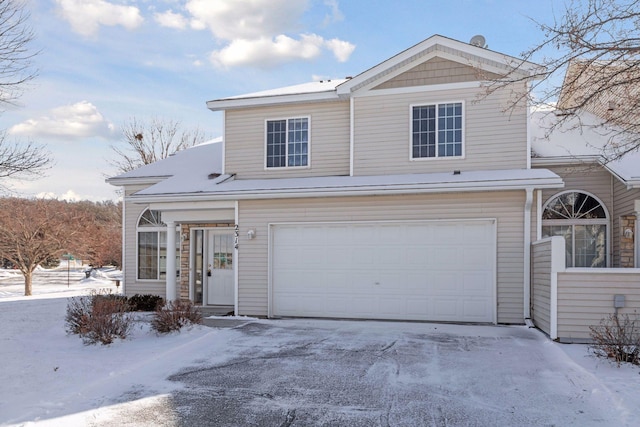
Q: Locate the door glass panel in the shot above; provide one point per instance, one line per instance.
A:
(198, 266)
(223, 253)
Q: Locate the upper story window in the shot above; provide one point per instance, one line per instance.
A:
(436, 130)
(287, 143)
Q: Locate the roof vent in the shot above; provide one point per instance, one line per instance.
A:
(348, 78)
(479, 41)
(213, 175)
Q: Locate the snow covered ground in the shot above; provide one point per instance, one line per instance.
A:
(50, 378)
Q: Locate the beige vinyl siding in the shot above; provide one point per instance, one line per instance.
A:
(329, 140)
(493, 138)
(591, 178)
(623, 205)
(541, 285)
(436, 71)
(586, 298)
(133, 286)
(506, 207)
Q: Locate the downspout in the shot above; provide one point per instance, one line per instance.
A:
(527, 252)
(235, 264)
(636, 230)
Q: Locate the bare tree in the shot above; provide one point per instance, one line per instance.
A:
(34, 231)
(148, 142)
(28, 160)
(21, 161)
(596, 45)
(16, 58)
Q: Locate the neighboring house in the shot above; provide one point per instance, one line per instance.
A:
(401, 193)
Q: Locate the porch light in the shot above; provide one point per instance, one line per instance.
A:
(251, 234)
(628, 233)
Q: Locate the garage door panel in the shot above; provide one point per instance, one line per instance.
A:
(417, 271)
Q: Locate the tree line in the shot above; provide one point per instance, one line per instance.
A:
(38, 231)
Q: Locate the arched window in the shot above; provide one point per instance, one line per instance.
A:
(152, 246)
(583, 222)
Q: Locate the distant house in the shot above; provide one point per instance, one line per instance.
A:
(399, 194)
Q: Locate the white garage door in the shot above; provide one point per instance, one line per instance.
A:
(435, 270)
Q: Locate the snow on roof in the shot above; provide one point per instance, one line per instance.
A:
(226, 186)
(205, 158)
(311, 87)
(580, 136)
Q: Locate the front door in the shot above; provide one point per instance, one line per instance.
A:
(212, 265)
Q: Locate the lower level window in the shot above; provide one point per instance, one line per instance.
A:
(582, 221)
(152, 247)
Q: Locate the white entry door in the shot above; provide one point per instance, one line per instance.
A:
(429, 270)
(212, 266)
(219, 277)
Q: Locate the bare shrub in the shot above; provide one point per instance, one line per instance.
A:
(174, 315)
(617, 337)
(100, 317)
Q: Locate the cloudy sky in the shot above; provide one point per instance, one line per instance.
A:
(104, 62)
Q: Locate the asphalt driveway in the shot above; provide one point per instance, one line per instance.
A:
(343, 373)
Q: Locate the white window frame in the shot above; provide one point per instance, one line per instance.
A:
(573, 222)
(286, 166)
(152, 229)
(437, 156)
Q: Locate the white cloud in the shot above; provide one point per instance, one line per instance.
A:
(247, 19)
(341, 49)
(80, 120)
(170, 19)
(335, 15)
(268, 52)
(86, 16)
(257, 32)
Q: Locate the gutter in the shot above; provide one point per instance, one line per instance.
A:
(378, 190)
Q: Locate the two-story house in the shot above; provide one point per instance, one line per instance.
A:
(405, 192)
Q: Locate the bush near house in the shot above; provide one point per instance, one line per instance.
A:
(146, 302)
(617, 337)
(99, 317)
(174, 315)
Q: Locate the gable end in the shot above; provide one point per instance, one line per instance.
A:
(437, 71)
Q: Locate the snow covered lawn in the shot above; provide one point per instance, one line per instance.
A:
(299, 370)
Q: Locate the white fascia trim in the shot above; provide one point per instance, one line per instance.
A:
(119, 182)
(202, 205)
(271, 100)
(421, 89)
(564, 160)
(462, 187)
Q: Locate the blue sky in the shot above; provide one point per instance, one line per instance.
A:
(103, 62)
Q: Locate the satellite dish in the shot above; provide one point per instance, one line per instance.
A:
(478, 41)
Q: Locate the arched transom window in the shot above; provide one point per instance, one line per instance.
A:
(583, 222)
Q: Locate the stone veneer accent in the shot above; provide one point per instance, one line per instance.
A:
(185, 230)
(627, 222)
